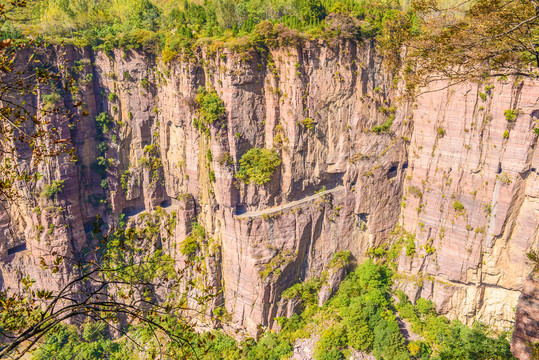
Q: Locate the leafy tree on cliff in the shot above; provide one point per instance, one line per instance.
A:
(258, 166)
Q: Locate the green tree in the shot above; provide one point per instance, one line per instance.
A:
(145, 15)
(52, 189)
(65, 342)
(470, 41)
(312, 11)
(226, 13)
(388, 341)
(360, 336)
(258, 165)
(104, 122)
(331, 344)
(211, 107)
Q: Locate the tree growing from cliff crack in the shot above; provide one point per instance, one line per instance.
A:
(258, 166)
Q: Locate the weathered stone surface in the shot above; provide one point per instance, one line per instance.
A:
(304, 349)
(333, 278)
(446, 148)
(459, 158)
(526, 332)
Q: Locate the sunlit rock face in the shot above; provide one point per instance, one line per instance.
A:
(526, 331)
(472, 198)
(444, 172)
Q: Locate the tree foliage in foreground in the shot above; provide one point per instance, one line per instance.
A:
(464, 41)
(362, 316)
(125, 281)
(28, 135)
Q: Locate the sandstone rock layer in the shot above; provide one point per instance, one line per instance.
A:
(446, 172)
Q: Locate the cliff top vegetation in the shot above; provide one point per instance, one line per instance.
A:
(177, 26)
(443, 39)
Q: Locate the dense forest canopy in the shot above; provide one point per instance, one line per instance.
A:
(176, 24)
(452, 39)
(362, 316)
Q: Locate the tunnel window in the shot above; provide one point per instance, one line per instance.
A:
(16, 249)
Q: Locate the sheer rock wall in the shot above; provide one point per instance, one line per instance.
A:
(526, 332)
(472, 198)
(445, 173)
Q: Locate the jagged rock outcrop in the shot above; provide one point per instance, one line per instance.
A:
(445, 172)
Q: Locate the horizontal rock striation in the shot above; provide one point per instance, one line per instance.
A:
(471, 197)
(444, 171)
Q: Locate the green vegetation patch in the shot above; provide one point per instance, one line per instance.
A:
(308, 123)
(510, 115)
(363, 316)
(340, 260)
(65, 342)
(52, 189)
(458, 207)
(306, 291)
(410, 245)
(276, 264)
(192, 242)
(385, 127)
(51, 100)
(211, 107)
(258, 165)
(124, 181)
(177, 27)
(104, 122)
(415, 191)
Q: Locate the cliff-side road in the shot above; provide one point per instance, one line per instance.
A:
(289, 205)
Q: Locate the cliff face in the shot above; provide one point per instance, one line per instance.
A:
(472, 197)
(526, 332)
(445, 173)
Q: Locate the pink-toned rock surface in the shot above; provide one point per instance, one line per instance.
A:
(445, 148)
(526, 332)
(471, 198)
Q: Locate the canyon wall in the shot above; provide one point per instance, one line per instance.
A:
(524, 344)
(471, 197)
(452, 173)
